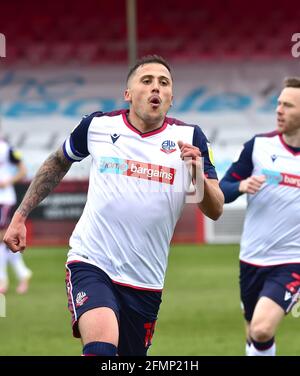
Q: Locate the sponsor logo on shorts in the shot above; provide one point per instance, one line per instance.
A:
(81, 298)
(287, 296)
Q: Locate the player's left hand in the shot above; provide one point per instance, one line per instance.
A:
(192, 157)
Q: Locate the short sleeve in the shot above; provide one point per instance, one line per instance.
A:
(76, 145)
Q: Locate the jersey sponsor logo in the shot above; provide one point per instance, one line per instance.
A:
(136, 169)
(281, 178)
(291, 180)
(81, 298)
(151, 171)
(168, 147)
(114, 137)
(111, 165)
(272, 177)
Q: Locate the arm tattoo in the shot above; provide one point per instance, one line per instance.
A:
(47, 178)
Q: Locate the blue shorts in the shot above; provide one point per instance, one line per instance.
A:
(90, 287)
(5, 215)
(281, 283)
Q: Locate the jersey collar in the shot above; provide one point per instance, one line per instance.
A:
(142, 134)
(291, 149)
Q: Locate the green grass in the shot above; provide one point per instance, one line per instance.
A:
(200, 313)
(38, 323)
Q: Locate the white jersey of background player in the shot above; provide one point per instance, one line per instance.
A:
(12, 170)
(268, 237)
(268, 170)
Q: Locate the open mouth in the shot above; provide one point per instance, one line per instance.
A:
(155, 101)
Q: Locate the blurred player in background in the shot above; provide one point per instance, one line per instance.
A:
(268, 170)
(119, 248)
(12, 170)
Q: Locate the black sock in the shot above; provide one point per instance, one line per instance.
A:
(99, 349)
(262, 346)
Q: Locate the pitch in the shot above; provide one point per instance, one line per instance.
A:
(200, 313)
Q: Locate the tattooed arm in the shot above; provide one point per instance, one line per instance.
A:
(47, 178)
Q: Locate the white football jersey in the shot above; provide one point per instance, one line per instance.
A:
(271, 234)
(137, 189)
(8, 157)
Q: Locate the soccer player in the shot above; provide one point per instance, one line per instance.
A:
(12, 170)
(119, 248)
(268, 170)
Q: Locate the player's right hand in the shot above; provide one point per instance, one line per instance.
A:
(15, 236)
(191, 155)
(252, 184)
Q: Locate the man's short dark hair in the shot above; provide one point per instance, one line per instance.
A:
(148, 60)
(292, 82)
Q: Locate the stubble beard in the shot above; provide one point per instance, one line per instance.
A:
(152, 119)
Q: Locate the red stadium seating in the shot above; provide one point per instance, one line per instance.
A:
(94, 31)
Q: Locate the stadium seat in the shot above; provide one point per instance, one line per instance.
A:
(68, 32)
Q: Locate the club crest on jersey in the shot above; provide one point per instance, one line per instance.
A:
(273, 157)
(81, 298)
(168, 147)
